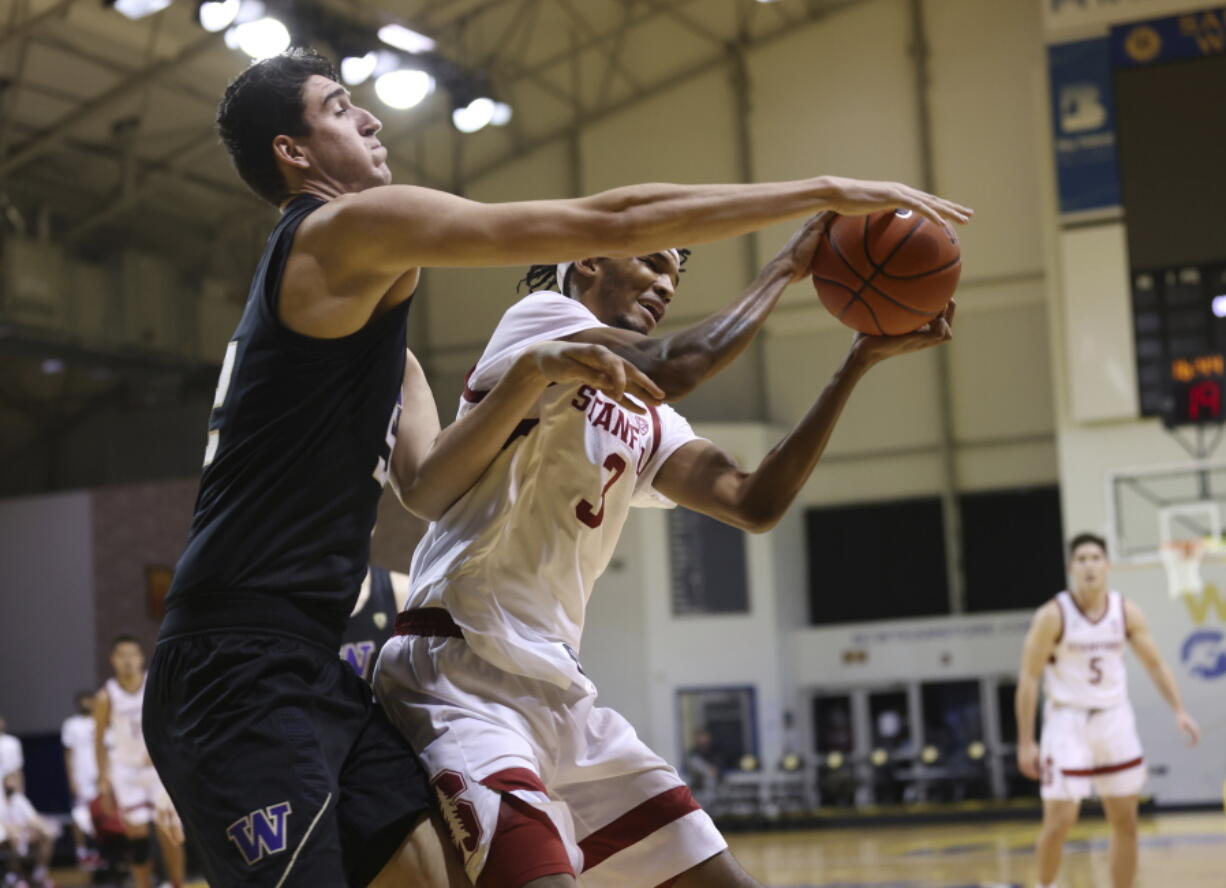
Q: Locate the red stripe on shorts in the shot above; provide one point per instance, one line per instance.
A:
(1105, 769)
(637, 824)
(431, 622)
(526, 845)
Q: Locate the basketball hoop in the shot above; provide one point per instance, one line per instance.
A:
(1182, 559)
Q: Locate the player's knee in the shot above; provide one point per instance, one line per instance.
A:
(139, 851)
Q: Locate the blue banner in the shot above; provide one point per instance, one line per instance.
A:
(1188, 36)
(1083, 122)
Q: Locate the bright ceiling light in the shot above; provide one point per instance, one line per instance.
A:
(138, 9)
(217, 15)
(1219, 306)
(403, 88)
(262, 38)
(357, 69)
(475, 115)
(405, 38)
(502, 114)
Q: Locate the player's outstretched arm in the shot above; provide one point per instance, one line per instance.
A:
(702, 477)
(432, 468)
(1147, 652)
(1040, 641)
(681, 361)
(397, 227)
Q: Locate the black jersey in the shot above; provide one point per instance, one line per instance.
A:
(299, 442)
(371, 626)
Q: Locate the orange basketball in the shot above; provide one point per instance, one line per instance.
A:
(888, 273)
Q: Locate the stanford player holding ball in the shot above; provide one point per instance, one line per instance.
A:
(1089, 742)
(537, 783)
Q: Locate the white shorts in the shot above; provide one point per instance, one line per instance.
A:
(136, 792)
(1090, 751)
(533, 780)
(22, 825)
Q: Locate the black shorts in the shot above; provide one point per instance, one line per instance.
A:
(282, 767)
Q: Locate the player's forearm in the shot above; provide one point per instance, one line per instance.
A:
(1164, 681)
(651, 217)
(1025, 701)
(464, 450)
(681, 361)
(767, 492)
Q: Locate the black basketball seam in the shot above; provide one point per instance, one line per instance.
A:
(868, 282)
(877, 269)
(852, 300)
(898, 246)
(910, 277)
(872, 314)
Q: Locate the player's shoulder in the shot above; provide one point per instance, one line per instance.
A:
(1049, 615)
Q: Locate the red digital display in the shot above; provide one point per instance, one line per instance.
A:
(1205, 401)
(1196, 390)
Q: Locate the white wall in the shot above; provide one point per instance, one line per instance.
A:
(47, 643)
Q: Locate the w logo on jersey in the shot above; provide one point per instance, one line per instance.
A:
(261, 832)
(360, 655)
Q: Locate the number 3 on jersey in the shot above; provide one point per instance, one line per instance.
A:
(584, 511)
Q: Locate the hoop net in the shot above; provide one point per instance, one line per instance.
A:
(1182, 559)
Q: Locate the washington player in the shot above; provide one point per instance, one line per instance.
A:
(125, 772)
(1089, 743)
(537, 783)
(381, 596)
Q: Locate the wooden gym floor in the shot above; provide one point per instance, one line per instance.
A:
(1177, 851)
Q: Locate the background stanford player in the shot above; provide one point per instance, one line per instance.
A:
(1089, 744)
(539, 782)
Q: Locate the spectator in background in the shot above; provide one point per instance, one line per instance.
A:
(30, 835)
(704, 765)
(81, 765)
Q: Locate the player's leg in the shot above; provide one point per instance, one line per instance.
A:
(636, 821)
(481, 756)
(1118, 756)
(1063, 747)
(721, 871)
(1122, 815)
(140, 859)
(425, 858)
(1059, 815)
(168, 829)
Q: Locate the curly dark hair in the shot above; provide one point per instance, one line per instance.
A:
(264, 102)
(545, 277)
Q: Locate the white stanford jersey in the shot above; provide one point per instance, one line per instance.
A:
(77, 735)
(514, 560)
(1087, 668)
(127, 743)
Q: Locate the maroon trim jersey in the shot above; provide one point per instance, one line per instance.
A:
(515, 559)
(1087, 669)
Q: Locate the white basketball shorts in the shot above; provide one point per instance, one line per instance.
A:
(1090, 751)
(533, 780)
(136, 792)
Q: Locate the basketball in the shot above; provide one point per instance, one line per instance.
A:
(888, 273)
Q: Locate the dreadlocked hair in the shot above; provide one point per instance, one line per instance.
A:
(545, 277)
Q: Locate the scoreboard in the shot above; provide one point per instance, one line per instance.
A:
(1179, 329)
